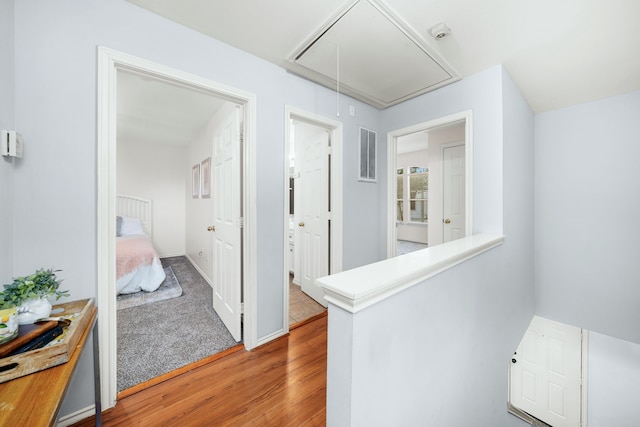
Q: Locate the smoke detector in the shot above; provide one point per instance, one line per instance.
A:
(439, 31)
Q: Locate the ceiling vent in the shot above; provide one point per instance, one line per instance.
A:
(369, 53)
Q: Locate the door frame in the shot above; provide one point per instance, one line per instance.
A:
(392, 149)
(109, 63)
(335, 129)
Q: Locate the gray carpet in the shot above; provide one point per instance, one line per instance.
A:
(156, 338)
(169, 288)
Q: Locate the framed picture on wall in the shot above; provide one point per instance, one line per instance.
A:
(195, 181)
(205, 175)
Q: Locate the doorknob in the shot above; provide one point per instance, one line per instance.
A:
(211, 228)
(301, 224)
(447, 221)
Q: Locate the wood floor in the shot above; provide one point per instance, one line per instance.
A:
(282, 383)
(301, 305)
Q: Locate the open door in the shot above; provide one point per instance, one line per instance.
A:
(227, 228)
(312, 212)
(546, 373)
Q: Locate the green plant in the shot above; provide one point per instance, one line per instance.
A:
(5, 302)
(42, 283)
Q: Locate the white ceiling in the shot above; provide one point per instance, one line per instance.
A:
(559, 52)
(155, 111)
(413, 142)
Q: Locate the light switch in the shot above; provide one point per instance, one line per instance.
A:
(11, 144)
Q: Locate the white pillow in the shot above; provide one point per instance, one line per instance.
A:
(130, 226)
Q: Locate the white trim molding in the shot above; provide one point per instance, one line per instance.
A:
(361, 287)
(584, 389)
(109, 63)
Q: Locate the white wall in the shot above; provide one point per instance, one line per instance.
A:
(586, 253)
(518, 199)
(587, 208)
(55, 108)
(438, 352)
(156, 172)
(200, 211)
(6, 122)
(613, 382)
(415, 158)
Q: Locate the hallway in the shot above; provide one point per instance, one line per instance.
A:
(282, 383)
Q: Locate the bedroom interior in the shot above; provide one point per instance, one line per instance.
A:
(171, 139)
(146, 132)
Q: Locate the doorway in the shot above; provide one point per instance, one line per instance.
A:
(422, 193)
(156, 149)
(313, 206)
(110, 63)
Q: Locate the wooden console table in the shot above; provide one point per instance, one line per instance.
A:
(35, 399)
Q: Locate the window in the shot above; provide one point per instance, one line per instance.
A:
(418, 193)
(412, 194)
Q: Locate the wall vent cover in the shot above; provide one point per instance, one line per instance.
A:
(368, 155)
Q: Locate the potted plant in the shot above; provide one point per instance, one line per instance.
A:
(8, 320)
(30, 294)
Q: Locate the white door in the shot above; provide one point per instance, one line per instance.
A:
(453, 193)
(312, 215)
(546, 372)
(227, 251)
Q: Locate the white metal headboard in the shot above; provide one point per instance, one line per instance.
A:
(136, 207)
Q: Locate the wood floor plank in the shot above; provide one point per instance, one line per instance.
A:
(282, 383)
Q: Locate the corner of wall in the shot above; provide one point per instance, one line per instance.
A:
(518, 194)
(7, 121)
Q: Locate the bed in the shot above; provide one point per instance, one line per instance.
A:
(138, 266)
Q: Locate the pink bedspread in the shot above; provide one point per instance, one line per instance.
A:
(133, 252)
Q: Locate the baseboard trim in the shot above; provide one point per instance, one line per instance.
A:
(526, 417)
(309, 320)
(172, 256)
(267, 339)
(74, 417)
(199, 270)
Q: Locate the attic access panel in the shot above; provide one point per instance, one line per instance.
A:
(373, 56)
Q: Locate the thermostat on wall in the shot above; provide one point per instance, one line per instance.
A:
(11, 144)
